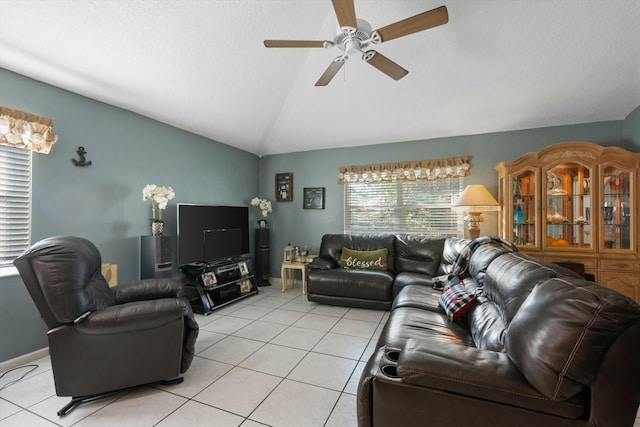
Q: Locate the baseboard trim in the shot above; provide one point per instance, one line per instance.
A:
(24, 359)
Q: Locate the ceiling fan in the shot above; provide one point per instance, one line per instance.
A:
(355, 35)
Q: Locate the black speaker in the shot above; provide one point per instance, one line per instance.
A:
(262, 256)
(155, 256)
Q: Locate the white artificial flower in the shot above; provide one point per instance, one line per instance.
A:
(162, 202)
(147, 192)
(159, 196)
(263, 204)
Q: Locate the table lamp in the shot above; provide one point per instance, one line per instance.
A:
(475, 199)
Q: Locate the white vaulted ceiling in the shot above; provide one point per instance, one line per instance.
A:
(200, 65)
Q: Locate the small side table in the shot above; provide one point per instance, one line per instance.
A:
(287, 273)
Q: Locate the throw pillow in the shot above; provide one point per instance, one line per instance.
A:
(364, 260)
(457, 300)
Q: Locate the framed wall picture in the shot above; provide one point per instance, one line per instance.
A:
(313, 198)
(284, 187)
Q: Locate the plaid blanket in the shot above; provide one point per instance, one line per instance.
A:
(461, 264)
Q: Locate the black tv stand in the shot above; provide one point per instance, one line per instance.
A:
(212, 285)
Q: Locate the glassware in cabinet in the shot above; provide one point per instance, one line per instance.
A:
(616, 213)
(523, 208)
(567, 204)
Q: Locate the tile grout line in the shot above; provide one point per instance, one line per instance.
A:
(269, 309)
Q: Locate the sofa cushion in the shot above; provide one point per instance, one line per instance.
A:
(450, 251)
(365, 284)
(407, 322)
(418, 296)
(418, 254)
(510, 278)
(457, 300)
(332, 244)
(486, 325)
(562, 331)
(482, 257)
(408, 279)
(364, 260)
(485, 375)
(507, 283)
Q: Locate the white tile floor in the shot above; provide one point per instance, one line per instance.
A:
(272, 359)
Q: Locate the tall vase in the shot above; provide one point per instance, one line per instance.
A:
(518, 216)
(157, 228)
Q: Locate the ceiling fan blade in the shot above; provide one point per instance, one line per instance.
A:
(329, 73)
(420, 22)
(384, 64)
(294, 43)
(346, 13)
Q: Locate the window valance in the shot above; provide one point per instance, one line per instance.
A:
(452, 167)
(20, 129)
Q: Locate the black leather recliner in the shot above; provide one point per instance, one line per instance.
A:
(104, 339)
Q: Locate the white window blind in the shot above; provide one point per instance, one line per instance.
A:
(402, 206)
(15, 203)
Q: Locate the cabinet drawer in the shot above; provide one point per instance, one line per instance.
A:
(589, 263)
(620, 264)
(627, 284)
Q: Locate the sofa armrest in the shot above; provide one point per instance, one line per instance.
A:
(488, 375)
(322, 264)
(146, 289)
(134, 316)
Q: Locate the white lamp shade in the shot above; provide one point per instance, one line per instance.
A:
(476, 198)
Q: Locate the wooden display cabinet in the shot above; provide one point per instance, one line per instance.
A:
(575, 202)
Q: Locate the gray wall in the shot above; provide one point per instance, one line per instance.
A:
(631, 130)
(291, 223)
(103, 202)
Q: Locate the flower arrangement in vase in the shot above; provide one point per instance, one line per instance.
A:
(265, 207)
(159, 197)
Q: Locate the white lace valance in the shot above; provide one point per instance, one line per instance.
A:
(20, 129)
(453, 167)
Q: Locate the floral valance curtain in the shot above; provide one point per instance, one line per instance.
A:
(453, 167)
(20, 129)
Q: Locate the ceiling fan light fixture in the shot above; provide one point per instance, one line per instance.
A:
(351, 39)
(355, 35)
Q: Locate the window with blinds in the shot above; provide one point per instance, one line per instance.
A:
(15, 203)
(402, 206)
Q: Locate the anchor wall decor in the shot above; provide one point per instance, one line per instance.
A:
(83, 160)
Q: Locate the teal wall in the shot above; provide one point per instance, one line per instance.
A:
(291, 223)
(631, 130)
(103, 202)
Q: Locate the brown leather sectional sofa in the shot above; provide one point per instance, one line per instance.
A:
(541, 347)
(411, 259)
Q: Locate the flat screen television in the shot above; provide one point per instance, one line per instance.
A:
(208, 234)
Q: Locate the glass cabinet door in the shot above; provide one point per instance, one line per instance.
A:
(523, 209)
(616, 213)
(567, 205)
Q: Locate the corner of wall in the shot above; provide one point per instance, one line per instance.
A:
(631, 130)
